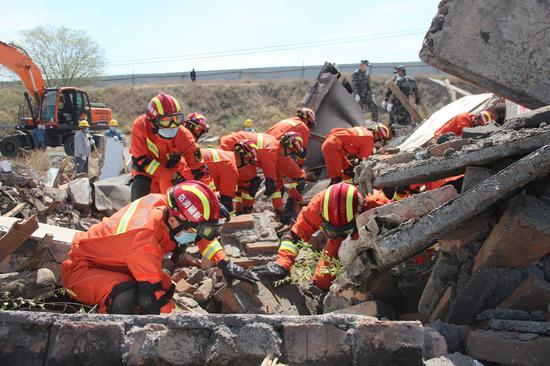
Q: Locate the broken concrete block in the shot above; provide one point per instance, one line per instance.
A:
(113, 158)
(204, 291)
(479, 132)
(24, 342)
(411, 238)
(520, 326)
(112, 194)
(442, 307)
(373, 337)
(476, 229)
(410, 317)
(81, 193)
(508, 348)
(475, 175)
(374, 308)
(309, 343)
(341, 298)
(473, 32)
(410, 208)
(484, 290)
(531, 294)
(444, 274)
(66, 346)
(520, 238)
(262, 247)
(435, 344)
(500, 145)
(188, 304)
(453, 359)
(531, 119)
(239, 222)
(511, 314)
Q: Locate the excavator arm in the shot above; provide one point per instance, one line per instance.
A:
(17, 60)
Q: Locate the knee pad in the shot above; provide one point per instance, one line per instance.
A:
(147, 300)
(123, 298)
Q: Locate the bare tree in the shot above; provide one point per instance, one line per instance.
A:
(64, 55)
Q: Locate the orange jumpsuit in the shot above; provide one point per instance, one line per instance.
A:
(128, 246)
(308, 222)
(273, 164)
(293, 124)
(343, 142)
(456, 124)
(153, 152)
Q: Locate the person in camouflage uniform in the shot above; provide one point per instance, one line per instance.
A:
(398, 113)
(360, 82)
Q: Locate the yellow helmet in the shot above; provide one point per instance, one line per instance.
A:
(248, 123)
(83, 123)
(113, 123)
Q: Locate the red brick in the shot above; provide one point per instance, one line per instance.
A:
(230, 304)
(508, 348)
(531, 294)
(477, 228)
(442, 308)
(240, 222)
(247, 262)
(439, 150)
(262, 247)
(185, 287)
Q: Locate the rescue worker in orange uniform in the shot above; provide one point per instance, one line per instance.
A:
(158, 143)
(342, 143)
(302, 124)
(196, 124)
(461, 121)
(334, 211)
(274, 158)
(117, 264)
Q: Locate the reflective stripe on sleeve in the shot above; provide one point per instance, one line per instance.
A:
(289, 246)
(125, 220)
(212, 249)
(152, 167)
(152, 147)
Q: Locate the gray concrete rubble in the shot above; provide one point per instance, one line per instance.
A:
(466, 36)
(40, 338)
(500, 145)
(410, 238)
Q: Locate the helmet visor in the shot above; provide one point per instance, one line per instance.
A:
(335, 232)
(209, 230)
(169, 121)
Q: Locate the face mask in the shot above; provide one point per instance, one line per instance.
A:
(168, 133)
(185, 237)
(86, 130)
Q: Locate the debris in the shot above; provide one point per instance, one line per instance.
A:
(520, 326)
(112, 161)
(531, 294)
(16, 235)
(80, 192)
(28, 284)
(14, 211)
(374, 308)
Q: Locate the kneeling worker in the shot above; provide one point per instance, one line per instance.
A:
(117, 264)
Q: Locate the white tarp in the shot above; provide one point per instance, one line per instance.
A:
(115, 155)
(472, 103)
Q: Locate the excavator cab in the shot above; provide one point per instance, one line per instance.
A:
(59, 109)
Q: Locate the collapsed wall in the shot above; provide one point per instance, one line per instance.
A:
(502, 46)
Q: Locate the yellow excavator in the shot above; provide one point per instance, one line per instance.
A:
(59, 109)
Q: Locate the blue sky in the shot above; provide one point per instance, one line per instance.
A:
(131, 31)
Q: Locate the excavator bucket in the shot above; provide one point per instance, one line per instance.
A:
(331, 99)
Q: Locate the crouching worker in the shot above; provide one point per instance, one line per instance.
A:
(117, 264)
(334, 211)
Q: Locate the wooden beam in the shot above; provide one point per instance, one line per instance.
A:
(14, 211)
(455, 88)
(404, 101)
(16, 235)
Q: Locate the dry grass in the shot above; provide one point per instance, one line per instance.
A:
(37, 160)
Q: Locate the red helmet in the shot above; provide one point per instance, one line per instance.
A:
(342, 202)
(193, 202)
(196, 123)
(294, 143)
(381, 132)
(164, 110)
(307, 115)
(484, 118)
(248, 151)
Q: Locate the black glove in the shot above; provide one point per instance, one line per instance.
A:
(284, 217)
(201, 172)
(272, 270)
(227, 202)
(270, 186)
(178, 179)
(233, 272)
(173, 161)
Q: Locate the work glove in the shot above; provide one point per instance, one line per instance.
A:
(173, 161)
(295, 194)
(384, 104)
(357, 98)
(232, 272)
(389, 107)
(270, 187)
(272, 270)
(177, 178)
